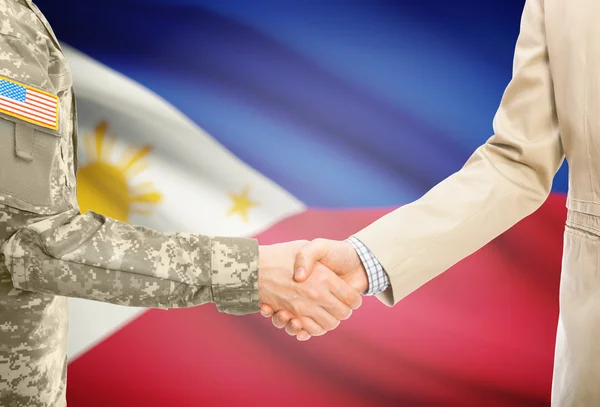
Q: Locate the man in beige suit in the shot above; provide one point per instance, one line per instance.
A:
(549, 110)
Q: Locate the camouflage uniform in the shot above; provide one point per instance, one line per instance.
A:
(50, 250)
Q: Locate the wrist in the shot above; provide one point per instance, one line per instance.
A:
(362, 284)
(359, 279)
(275, 272)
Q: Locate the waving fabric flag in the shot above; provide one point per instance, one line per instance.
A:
(142, 161)
(290, 120)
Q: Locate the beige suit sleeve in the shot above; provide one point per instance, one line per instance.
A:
(505, 180)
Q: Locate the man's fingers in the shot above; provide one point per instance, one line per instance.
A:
(345, 293)
(307, 257)
(281, 319)
(266, 310)
(303, 336)
(324, 319)
(313, 328)
(294, 327)
(337, 308)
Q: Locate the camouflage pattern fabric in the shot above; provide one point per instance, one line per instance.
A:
(50, 251)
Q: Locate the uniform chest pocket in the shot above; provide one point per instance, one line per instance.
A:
(28, 162)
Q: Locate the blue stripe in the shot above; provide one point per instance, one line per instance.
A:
(362, 104)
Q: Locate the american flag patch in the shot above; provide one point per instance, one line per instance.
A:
(29, 104)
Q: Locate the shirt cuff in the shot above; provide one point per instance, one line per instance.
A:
(377, 277)
(235, 275)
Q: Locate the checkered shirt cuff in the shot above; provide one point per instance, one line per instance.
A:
(378, 278)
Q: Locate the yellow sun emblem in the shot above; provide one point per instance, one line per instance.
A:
(105, 187)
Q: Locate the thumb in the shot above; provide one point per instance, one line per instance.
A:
(307, 257)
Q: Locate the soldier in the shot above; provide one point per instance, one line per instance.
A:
(51, 251)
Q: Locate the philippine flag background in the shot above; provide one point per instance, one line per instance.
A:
(301, 119)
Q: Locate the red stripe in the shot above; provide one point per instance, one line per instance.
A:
(43, 97)
(24, 112)
(41, 107)
(27, 107)
(481, 334)
(27, 113)
(42, 103)
(33, 106)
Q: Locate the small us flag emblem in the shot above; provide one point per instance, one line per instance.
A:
(29, 104)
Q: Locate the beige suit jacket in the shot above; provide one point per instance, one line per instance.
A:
(550, 109)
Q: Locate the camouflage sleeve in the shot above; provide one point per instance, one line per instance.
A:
(60, 251)
(93, 257)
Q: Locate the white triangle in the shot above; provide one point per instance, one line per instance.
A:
(191, 170)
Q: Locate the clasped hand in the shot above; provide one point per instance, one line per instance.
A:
(309, 287)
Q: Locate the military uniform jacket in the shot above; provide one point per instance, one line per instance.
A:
(51, 251)
(549, 111)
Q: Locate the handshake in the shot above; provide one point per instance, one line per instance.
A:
(309, 287)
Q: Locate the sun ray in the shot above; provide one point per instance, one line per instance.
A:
(108, 147)
(125, 157)
(143, 208)
(141, 153)
(145, 212)
(150, 197)
(142, 188)
(89, 148)
(100, 133)
(136, 169)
